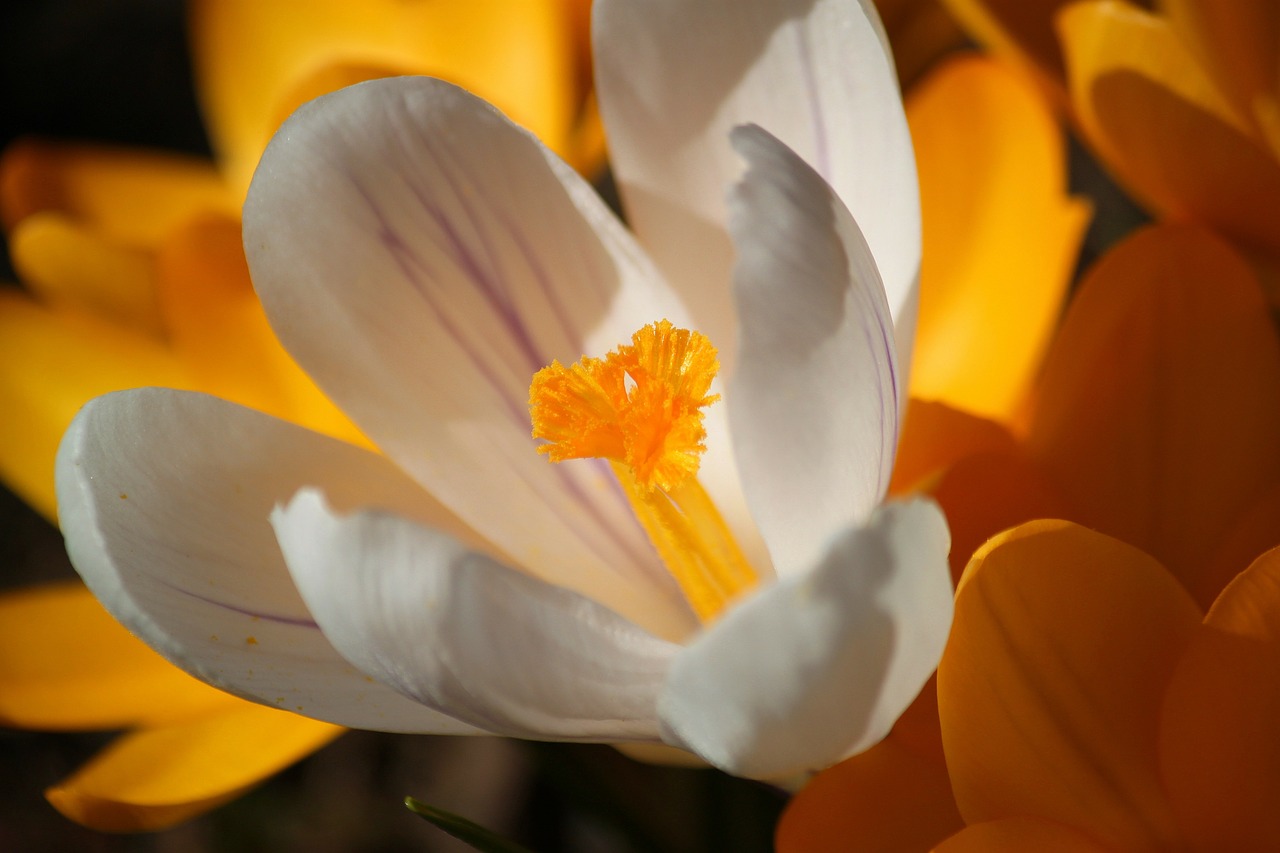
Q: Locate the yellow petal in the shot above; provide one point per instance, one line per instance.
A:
(1157, 412)
(219, 331)
(887, 798)
(1237, 42)
(1018, 835)
(65, 663)
(131, 197)
(69, 264)
(1218, 744)
(52, 363)
(157, 777)
(1051, 684)
(1019, 29)
(251, 57)
(1167, 132)
(1000, 234)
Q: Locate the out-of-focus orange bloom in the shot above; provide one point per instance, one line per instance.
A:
(1182, 104)
(135, 276)
(1020, 31)
(921, 32)
(1000, 238)
(1154, 422)
(1183, 107)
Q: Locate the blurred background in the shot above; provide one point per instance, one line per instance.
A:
(119, 71)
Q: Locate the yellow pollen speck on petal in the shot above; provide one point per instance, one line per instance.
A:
(641, 408)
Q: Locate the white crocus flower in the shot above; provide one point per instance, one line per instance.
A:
(424, 260)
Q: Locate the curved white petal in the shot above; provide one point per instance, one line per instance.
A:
(422, 258)
(819, 666)
(468, 636)
(814, 404)
(164, 498)
(675, 76)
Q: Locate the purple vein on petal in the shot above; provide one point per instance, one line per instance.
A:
(637, 547)
(821, 148)
(535, 266)
(639, 553)
(499, 296)
(242, 611)
(484, 281)
(881, 351)
(570, 332)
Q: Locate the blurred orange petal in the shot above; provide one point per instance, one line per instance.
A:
(1220, 753)
(918, 729)
(1000, 234)
(888, 798)
(1237, 41)
(157, 777)
(1254, 533)
(1051, 684)
(1163, 126)
(1019, 835)
(1250, 604)
(70, 264)
(65, 663)
(251, 58)
(990, 492)
(220, 332)
(52, 363)
(921, 31)
(936, 436)
(130, 196)
(1022, 29)
(1157, 411)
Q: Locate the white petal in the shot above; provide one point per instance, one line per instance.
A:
(422, 258)
(814, 404)
(164, 499)
(675, 76)
(819, 666)
(468, 636)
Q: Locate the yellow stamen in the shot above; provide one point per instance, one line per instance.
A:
(640, 407)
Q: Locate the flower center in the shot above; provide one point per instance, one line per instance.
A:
(640, 407)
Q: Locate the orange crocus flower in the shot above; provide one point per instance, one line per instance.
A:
(1182, 104)
(1154, 422)
(1149, 730)
(136, 276)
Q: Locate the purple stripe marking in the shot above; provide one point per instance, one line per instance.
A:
(502, 296)
(882, 354)
(256, 614)
(637, 547)
(412, 264)
(821, 147)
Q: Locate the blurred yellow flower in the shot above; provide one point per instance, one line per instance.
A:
(136, 276)
(1182, 107)
(1182, 103)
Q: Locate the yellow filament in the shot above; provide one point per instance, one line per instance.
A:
(640, 407)
(694, 542)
